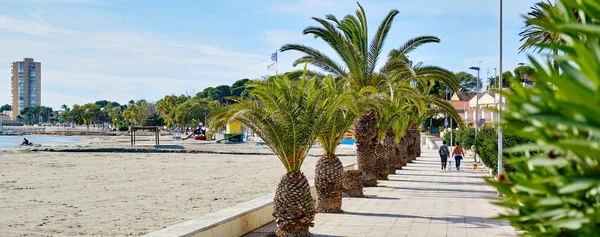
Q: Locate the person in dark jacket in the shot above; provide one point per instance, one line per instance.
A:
(444, 152)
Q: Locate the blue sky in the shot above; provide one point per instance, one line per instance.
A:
(133, 49)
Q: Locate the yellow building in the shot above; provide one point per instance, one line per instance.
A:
(234, 128)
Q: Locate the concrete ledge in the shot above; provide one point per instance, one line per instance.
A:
(431, 142)
(231, 222)
(234, 221)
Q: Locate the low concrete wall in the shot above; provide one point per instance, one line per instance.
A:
(431, 142)
(235, 221)
(231, 222)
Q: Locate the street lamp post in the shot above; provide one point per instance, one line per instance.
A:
(476, 110)
(500, 103)
(448, 91)
(496, 94)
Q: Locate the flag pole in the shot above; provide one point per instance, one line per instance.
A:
(274, 57)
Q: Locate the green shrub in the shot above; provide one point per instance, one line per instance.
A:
(446, 138)
(464, 136)
(487, 144)
(555, 191)
(154, 120)
(487, 148)
(123, 127)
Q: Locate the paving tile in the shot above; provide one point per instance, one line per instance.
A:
(420, 200)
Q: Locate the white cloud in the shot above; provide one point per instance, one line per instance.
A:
(120, 65)
(117, 88)
(28, 27)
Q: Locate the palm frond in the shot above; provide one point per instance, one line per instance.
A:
(315, 57)
(534, 34)
(379, 39)
(341, 112)
(413, 44)
(287, 115)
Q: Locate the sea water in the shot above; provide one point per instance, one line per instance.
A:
(7, 142)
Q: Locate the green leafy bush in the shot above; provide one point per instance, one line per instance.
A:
(556, 190)
(123, 127)
(464, 136)
(487, 148)
(487, 144)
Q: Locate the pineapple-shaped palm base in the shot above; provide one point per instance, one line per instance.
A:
(382, 162)
(329, 173)
(294, 207)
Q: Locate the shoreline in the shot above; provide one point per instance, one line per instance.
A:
(145, 144)
(133, 193)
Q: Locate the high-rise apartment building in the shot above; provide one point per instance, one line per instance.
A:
(26, 85)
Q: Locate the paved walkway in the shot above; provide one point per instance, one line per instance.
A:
(421, 200)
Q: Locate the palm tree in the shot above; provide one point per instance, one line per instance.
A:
(349, 38)
(389, 112)
(398, 122)
(413, 83)
(287, 115)
(535, 36)
(65, 107)
(341, 115)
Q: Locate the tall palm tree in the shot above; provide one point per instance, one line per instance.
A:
(341, 115)
(349, 38)
(413, 83)
(287, 115)
(535, 36)
(411, 110)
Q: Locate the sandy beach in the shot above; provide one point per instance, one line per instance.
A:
(119, 194)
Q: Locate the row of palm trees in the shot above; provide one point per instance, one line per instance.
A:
(384, 105)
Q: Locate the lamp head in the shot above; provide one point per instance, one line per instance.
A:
(474, 68)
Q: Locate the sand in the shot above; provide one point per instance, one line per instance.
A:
(117, 194)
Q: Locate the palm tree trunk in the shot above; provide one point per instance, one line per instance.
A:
(381, 162)
(366, 143)
(418, 144)
(329, 173)
(408, 146)
(390, 152)
(412, 146)
(294, 207)
(403, 150)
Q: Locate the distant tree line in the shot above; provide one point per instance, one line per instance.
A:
(171, 111)
(5, 107)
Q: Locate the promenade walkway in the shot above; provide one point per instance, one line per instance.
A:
(421, 200)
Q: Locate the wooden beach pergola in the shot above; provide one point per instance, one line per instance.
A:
(154, 129)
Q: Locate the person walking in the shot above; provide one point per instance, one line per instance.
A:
(458, 154)
(444, 152)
